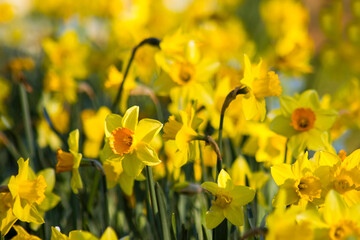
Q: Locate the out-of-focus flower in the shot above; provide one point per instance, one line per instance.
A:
(304, 122)
(7, 13)
(94, 134)
(182, 130)
(336, 220)
(70, 161)
(128, 141)
(260, 84)
(228, 202)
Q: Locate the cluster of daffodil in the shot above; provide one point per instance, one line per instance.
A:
(200, 119)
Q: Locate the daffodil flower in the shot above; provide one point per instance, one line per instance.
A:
(304, 122)
(27, 193)
(260, 85)
(128, 141)
(229, 201)
(109, 234)
(70, 161)
(22, 234)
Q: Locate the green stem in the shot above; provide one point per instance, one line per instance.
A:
(203, 170)
(162, 210)
(27, 119)
(229, 98)
(209, 140)
(151, 41)
(154, 205)
(98, 166)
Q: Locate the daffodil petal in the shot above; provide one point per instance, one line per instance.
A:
(109, 234)
(281, 125)
(147, 154)
(81, 235)
(147, 129)
(211, 187)
(130, 119)
(288, 105)
(112, 121)
(132, 165)
(325, 119)
(280, 173)
(224, 180)
(242, 195)
(335, 207)
(73, 141)
(126, 183)
(76, 182)
(214, 217)
(234, 213)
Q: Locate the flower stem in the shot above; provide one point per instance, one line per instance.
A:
(151, 41)
(209, 140)
(98, 166)
(229, 98)
(162, 211)
(27, 119)
(155, 209)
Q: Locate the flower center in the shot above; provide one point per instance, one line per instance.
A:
(342, 185)
(309, 188)
(342, 154)
(344, 229)
(121, 140)
(33, 190)
(222, 200)
(303, 119)
(65, 161)
(182, 73)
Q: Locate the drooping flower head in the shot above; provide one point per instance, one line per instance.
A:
(70, 161)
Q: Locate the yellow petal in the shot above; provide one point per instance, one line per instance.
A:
(132, 165)
(211, 187)
(126, 183)
(109, 234)
(234, 214)
(147, 154)
(73, 140)
(112, 121)
(147, 129)
(214, 217)
(280, 173)
(76, 182)
(130, 119)
(81, 235)
(242, 195)
(57, 235)
(335, 207)
(224, 180)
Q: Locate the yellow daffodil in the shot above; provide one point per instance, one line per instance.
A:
(335, 221)
(70, 161)
(181, 129)
(260, 84)
(128, 141)
(304, 122)
(22, 234)
(7, 12)
(94, 135)
(299, 181)
(27, 193)
(228, 202)
(341, 173)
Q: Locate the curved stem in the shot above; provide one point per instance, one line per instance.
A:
(150, 41)
(209, 140)
(229, 98)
